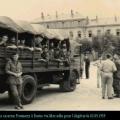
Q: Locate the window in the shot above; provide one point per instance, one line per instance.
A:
(108, 31)
(79, 34)
(63, 23)
(98, 31)
(48, 26)
(118, 32)
(90, 33)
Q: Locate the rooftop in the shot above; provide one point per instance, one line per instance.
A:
(104, 21)
(59, 17)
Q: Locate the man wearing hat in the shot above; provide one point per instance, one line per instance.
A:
(12, 43)
(107, 68)
(45, 54)
(14, 70)
(87, 65)
(3, 40)
(116, 77)
(38, 41)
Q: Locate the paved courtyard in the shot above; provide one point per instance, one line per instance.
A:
(86, 97)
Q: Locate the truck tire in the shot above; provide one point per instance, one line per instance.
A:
(69, 85)
(29, 88)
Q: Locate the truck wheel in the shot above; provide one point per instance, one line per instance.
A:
(69, 85)
(29, 89)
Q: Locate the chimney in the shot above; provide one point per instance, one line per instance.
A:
(42, 16)
(87, 20)
(96, 18)
(56, 15)
(72, 13)
(115, 19)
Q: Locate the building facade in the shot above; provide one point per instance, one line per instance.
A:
(87, 28)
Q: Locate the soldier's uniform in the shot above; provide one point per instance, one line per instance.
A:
(107, 69)
(51, 54)
(116, 80)
(64, 54)
(45, 55)
(15, 83)
(57, 53)
(87, 66)
(3, 41)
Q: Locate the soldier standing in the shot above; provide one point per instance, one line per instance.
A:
(87, 66)
(14, 71)
(116, 78)
(107, 69)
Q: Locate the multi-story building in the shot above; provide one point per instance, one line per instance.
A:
(85, 26)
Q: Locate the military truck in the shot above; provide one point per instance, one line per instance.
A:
(38, 73)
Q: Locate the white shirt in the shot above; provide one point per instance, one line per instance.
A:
(108, 66)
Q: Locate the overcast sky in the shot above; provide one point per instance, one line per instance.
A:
(31, 9)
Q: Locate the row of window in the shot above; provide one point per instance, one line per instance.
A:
(90, 33)
(63, 24)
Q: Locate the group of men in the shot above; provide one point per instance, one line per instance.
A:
(48, 51)
(109, 72)
(14, 68)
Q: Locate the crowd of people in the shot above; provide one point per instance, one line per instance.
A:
(104, 49)
(48, 50)
(108, 72)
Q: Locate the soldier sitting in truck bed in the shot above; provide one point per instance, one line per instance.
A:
(21, 45)
(12, 44)
(45, 54)
(57, 54)
(3, 40)
(52, 51)
(38, 45)
(64, 55)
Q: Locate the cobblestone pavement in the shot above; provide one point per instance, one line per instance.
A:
(86, 97)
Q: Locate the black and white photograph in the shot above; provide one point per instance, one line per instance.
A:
(59, 55)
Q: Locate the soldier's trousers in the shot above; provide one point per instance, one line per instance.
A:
(16, 92)
(107, 81)
(116, 86)
(87, 71)
(81, 72)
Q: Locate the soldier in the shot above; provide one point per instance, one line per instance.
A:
(45, 54)
(57, 53)
(14, 70)
(3, 40)
(51, 53)
(12, 43)
(116, 78)
(22, 44)
(87, 66)
(38, 45)
(107, 69)
(71, 36)
(78, 38)
(64, 52)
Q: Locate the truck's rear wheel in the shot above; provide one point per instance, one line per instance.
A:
(29, 89)
(69, 85)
